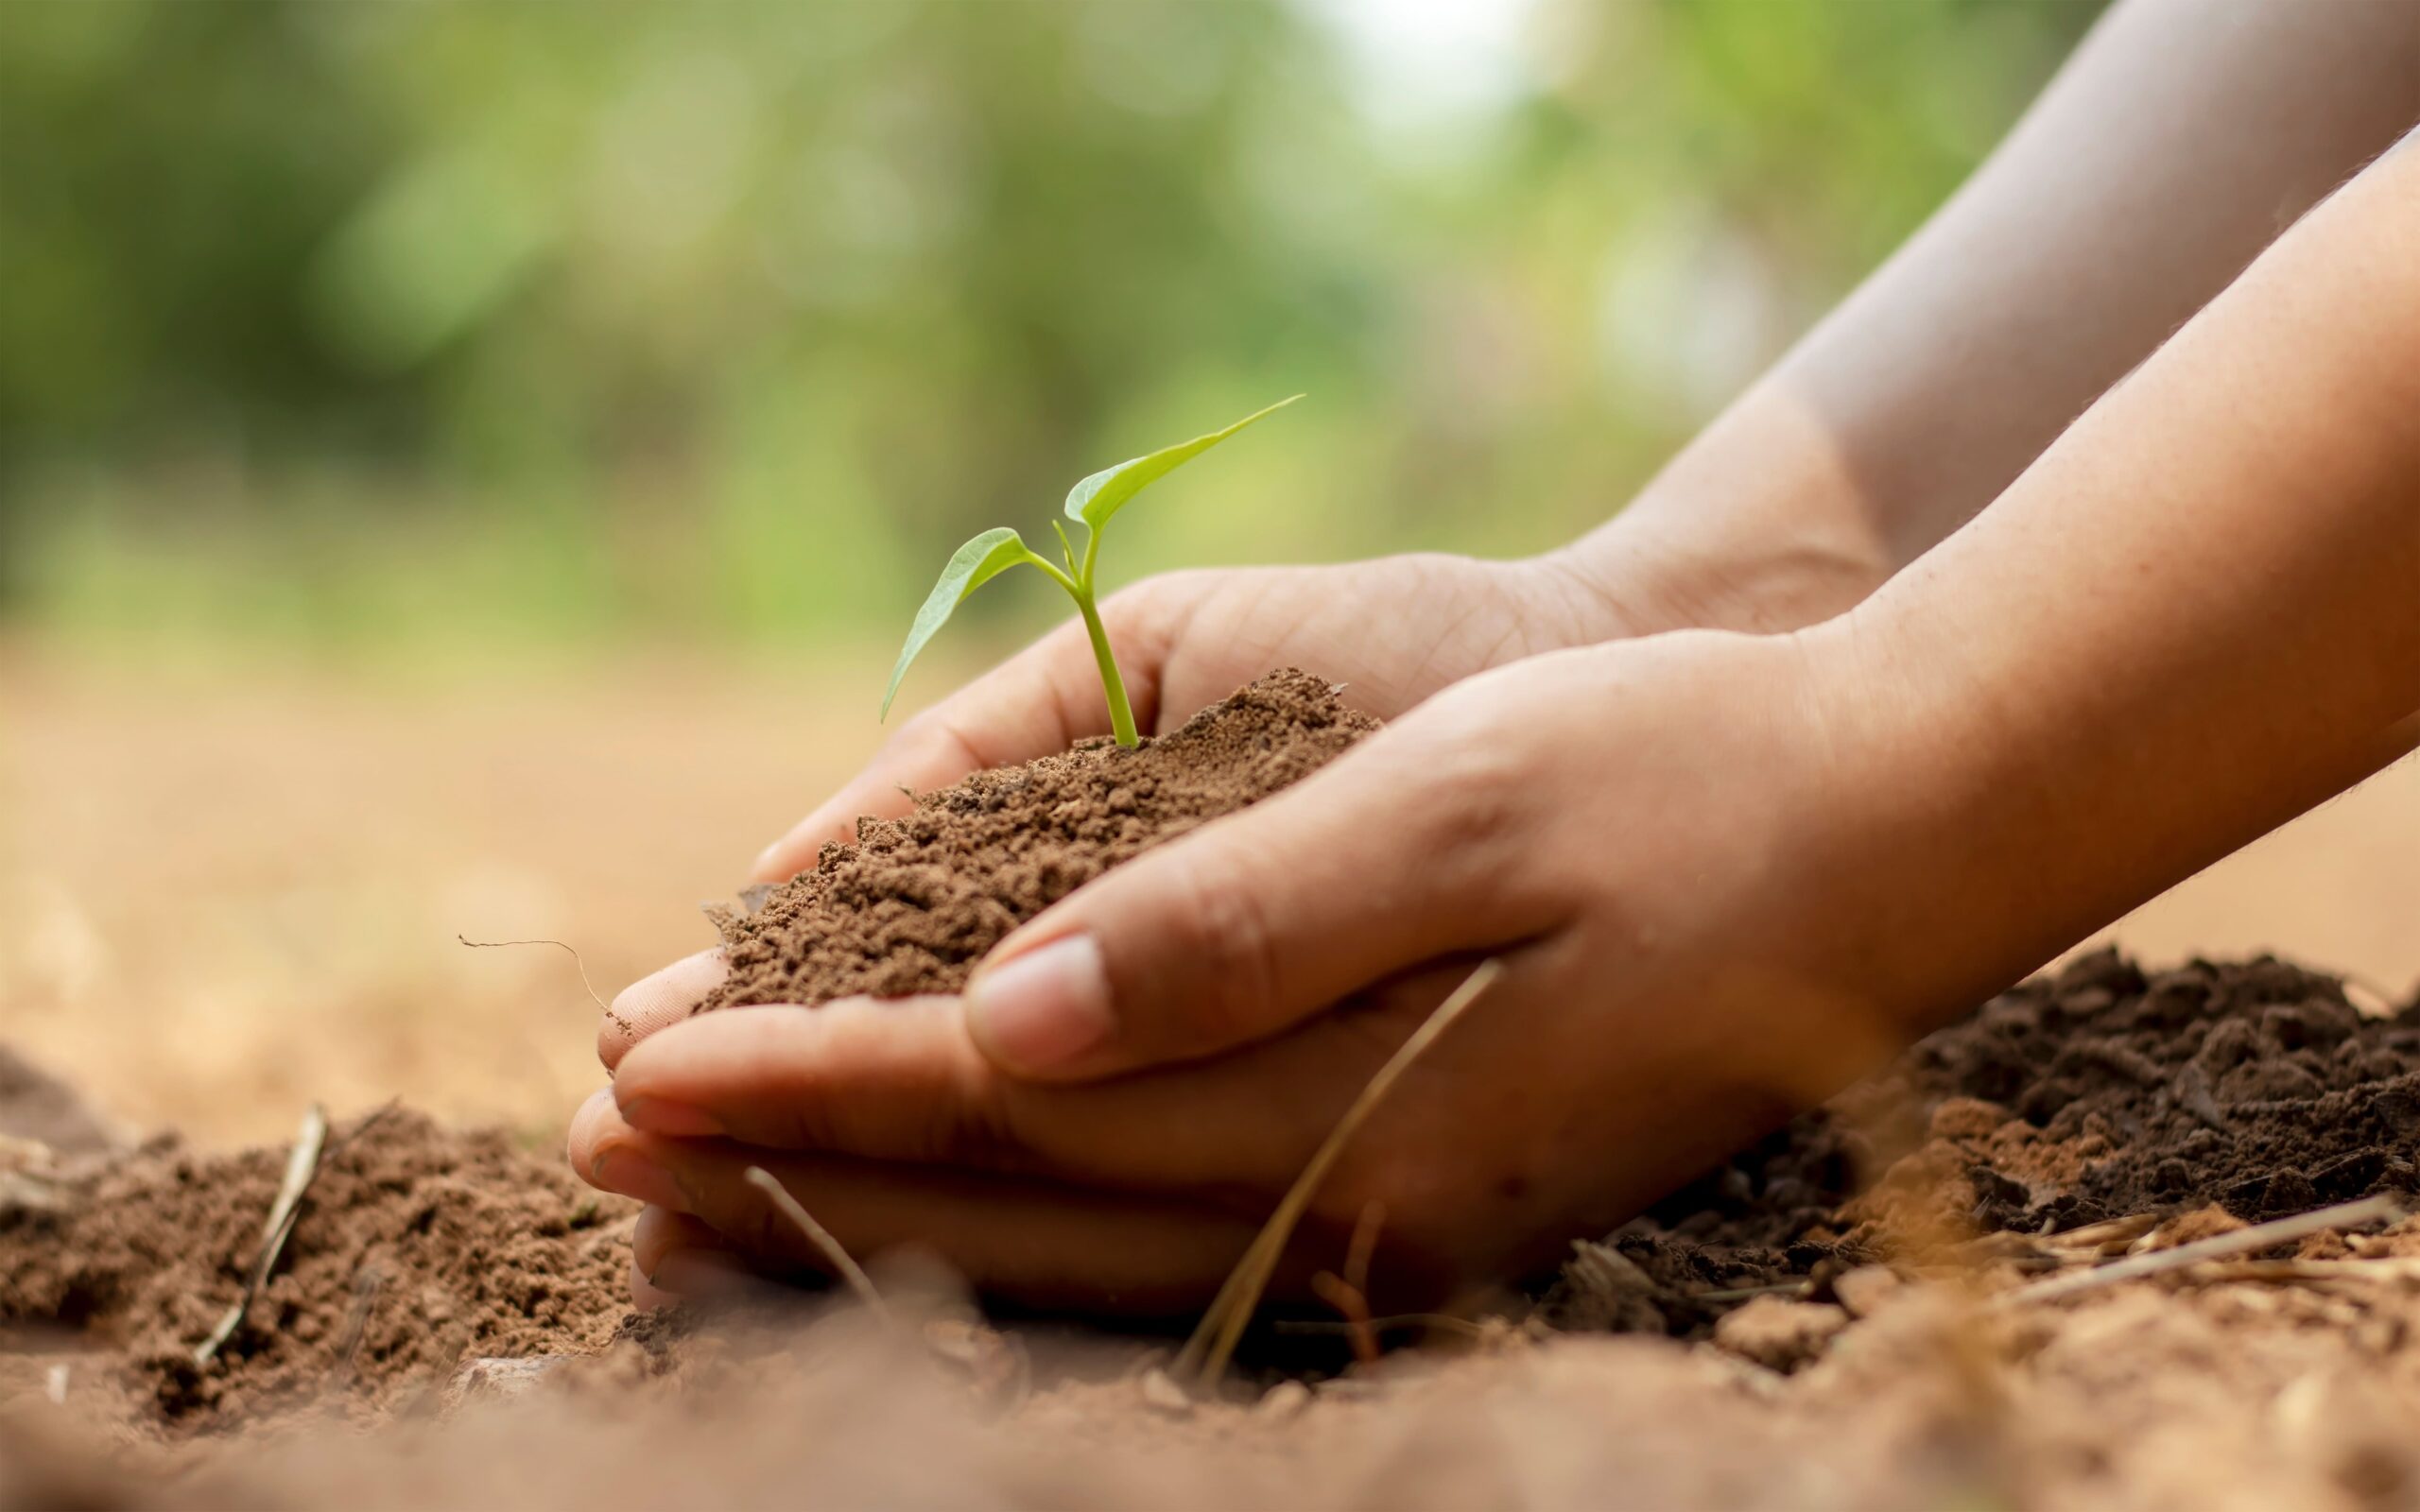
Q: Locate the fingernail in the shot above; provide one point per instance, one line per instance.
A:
(659, 1115)
(1044, 1008)
(619, 1168)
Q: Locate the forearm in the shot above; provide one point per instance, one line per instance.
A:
(2196, 616)
(2176, 143)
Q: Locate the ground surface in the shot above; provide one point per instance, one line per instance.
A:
(220, 899)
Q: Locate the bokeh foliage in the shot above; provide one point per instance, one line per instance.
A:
(373, 321)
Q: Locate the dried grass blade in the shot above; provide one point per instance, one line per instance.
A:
(1205, 1355)
(301, 1165)
(2218, 1246)
(821, 1238)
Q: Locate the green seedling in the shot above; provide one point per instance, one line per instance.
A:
(1090, 504)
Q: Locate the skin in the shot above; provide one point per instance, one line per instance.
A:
(1728, 868)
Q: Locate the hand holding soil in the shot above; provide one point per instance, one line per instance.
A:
(1435, 840)
(1727, 871)
(1392, 631)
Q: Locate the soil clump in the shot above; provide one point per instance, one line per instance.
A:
(918, 901)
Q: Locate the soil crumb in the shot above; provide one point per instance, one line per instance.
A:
(918, 901)
(416, 1247)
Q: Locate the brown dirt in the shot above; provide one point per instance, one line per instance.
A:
(918, 901)
(1866, 1380)
(416, 1247)
(2096, 1093)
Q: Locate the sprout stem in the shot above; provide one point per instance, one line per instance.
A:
(1121, 714)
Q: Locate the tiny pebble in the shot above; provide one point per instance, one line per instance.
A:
(1162, 1393)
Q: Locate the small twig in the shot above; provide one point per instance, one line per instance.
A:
(1399, 1320)
(301, 1166)
(1363, 1244)
(821, 1238)
(578, 964)
(1205, 1354)
(1350, 1293)
(369, 1121)
(2371, 1270)
(2218, 1246)
(1353, 1308)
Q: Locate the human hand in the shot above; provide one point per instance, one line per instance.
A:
(1648, 833)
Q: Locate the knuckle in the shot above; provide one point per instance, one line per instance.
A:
(1225, 965)
(1483, 792)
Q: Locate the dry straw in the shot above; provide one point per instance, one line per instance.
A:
(1205, 1355)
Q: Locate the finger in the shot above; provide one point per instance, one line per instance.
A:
(1040, 1244)
(661, 1231)
(1037, 703)
(1402, 850)
(674, 1258)
(893, 1079)
(651, 1002)
(898, 1080)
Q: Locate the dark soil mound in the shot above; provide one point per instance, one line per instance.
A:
(2097, 1093)
(917, 901)
(416, 1247)
(2255, 1086)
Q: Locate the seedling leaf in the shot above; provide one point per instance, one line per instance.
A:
(970, 567)
(1104, 494)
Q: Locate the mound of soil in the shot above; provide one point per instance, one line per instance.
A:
(2096, 1093)
(416, 1247)
(2102, 1092)
(918, 901)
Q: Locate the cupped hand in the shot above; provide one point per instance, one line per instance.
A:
(1654, 837)
(1393, 631)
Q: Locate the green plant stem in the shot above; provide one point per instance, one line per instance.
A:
(1121, 714)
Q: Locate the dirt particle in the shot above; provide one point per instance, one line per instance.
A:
(1780, 1334)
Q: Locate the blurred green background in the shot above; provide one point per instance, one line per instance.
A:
(355, 327)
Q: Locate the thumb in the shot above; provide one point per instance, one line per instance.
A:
(1039, 701)
(1397, 854)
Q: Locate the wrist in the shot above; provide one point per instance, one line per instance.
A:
(1648, 581)
(1931, 902)
(1757, 526)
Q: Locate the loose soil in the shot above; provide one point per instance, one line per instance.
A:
(918, 901)
(2193, 1099)
(417, 1248)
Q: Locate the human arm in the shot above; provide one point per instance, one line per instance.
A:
(2174, 144)
(1727, 871)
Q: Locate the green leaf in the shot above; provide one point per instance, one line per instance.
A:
(970, 567)
(1104, 494)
